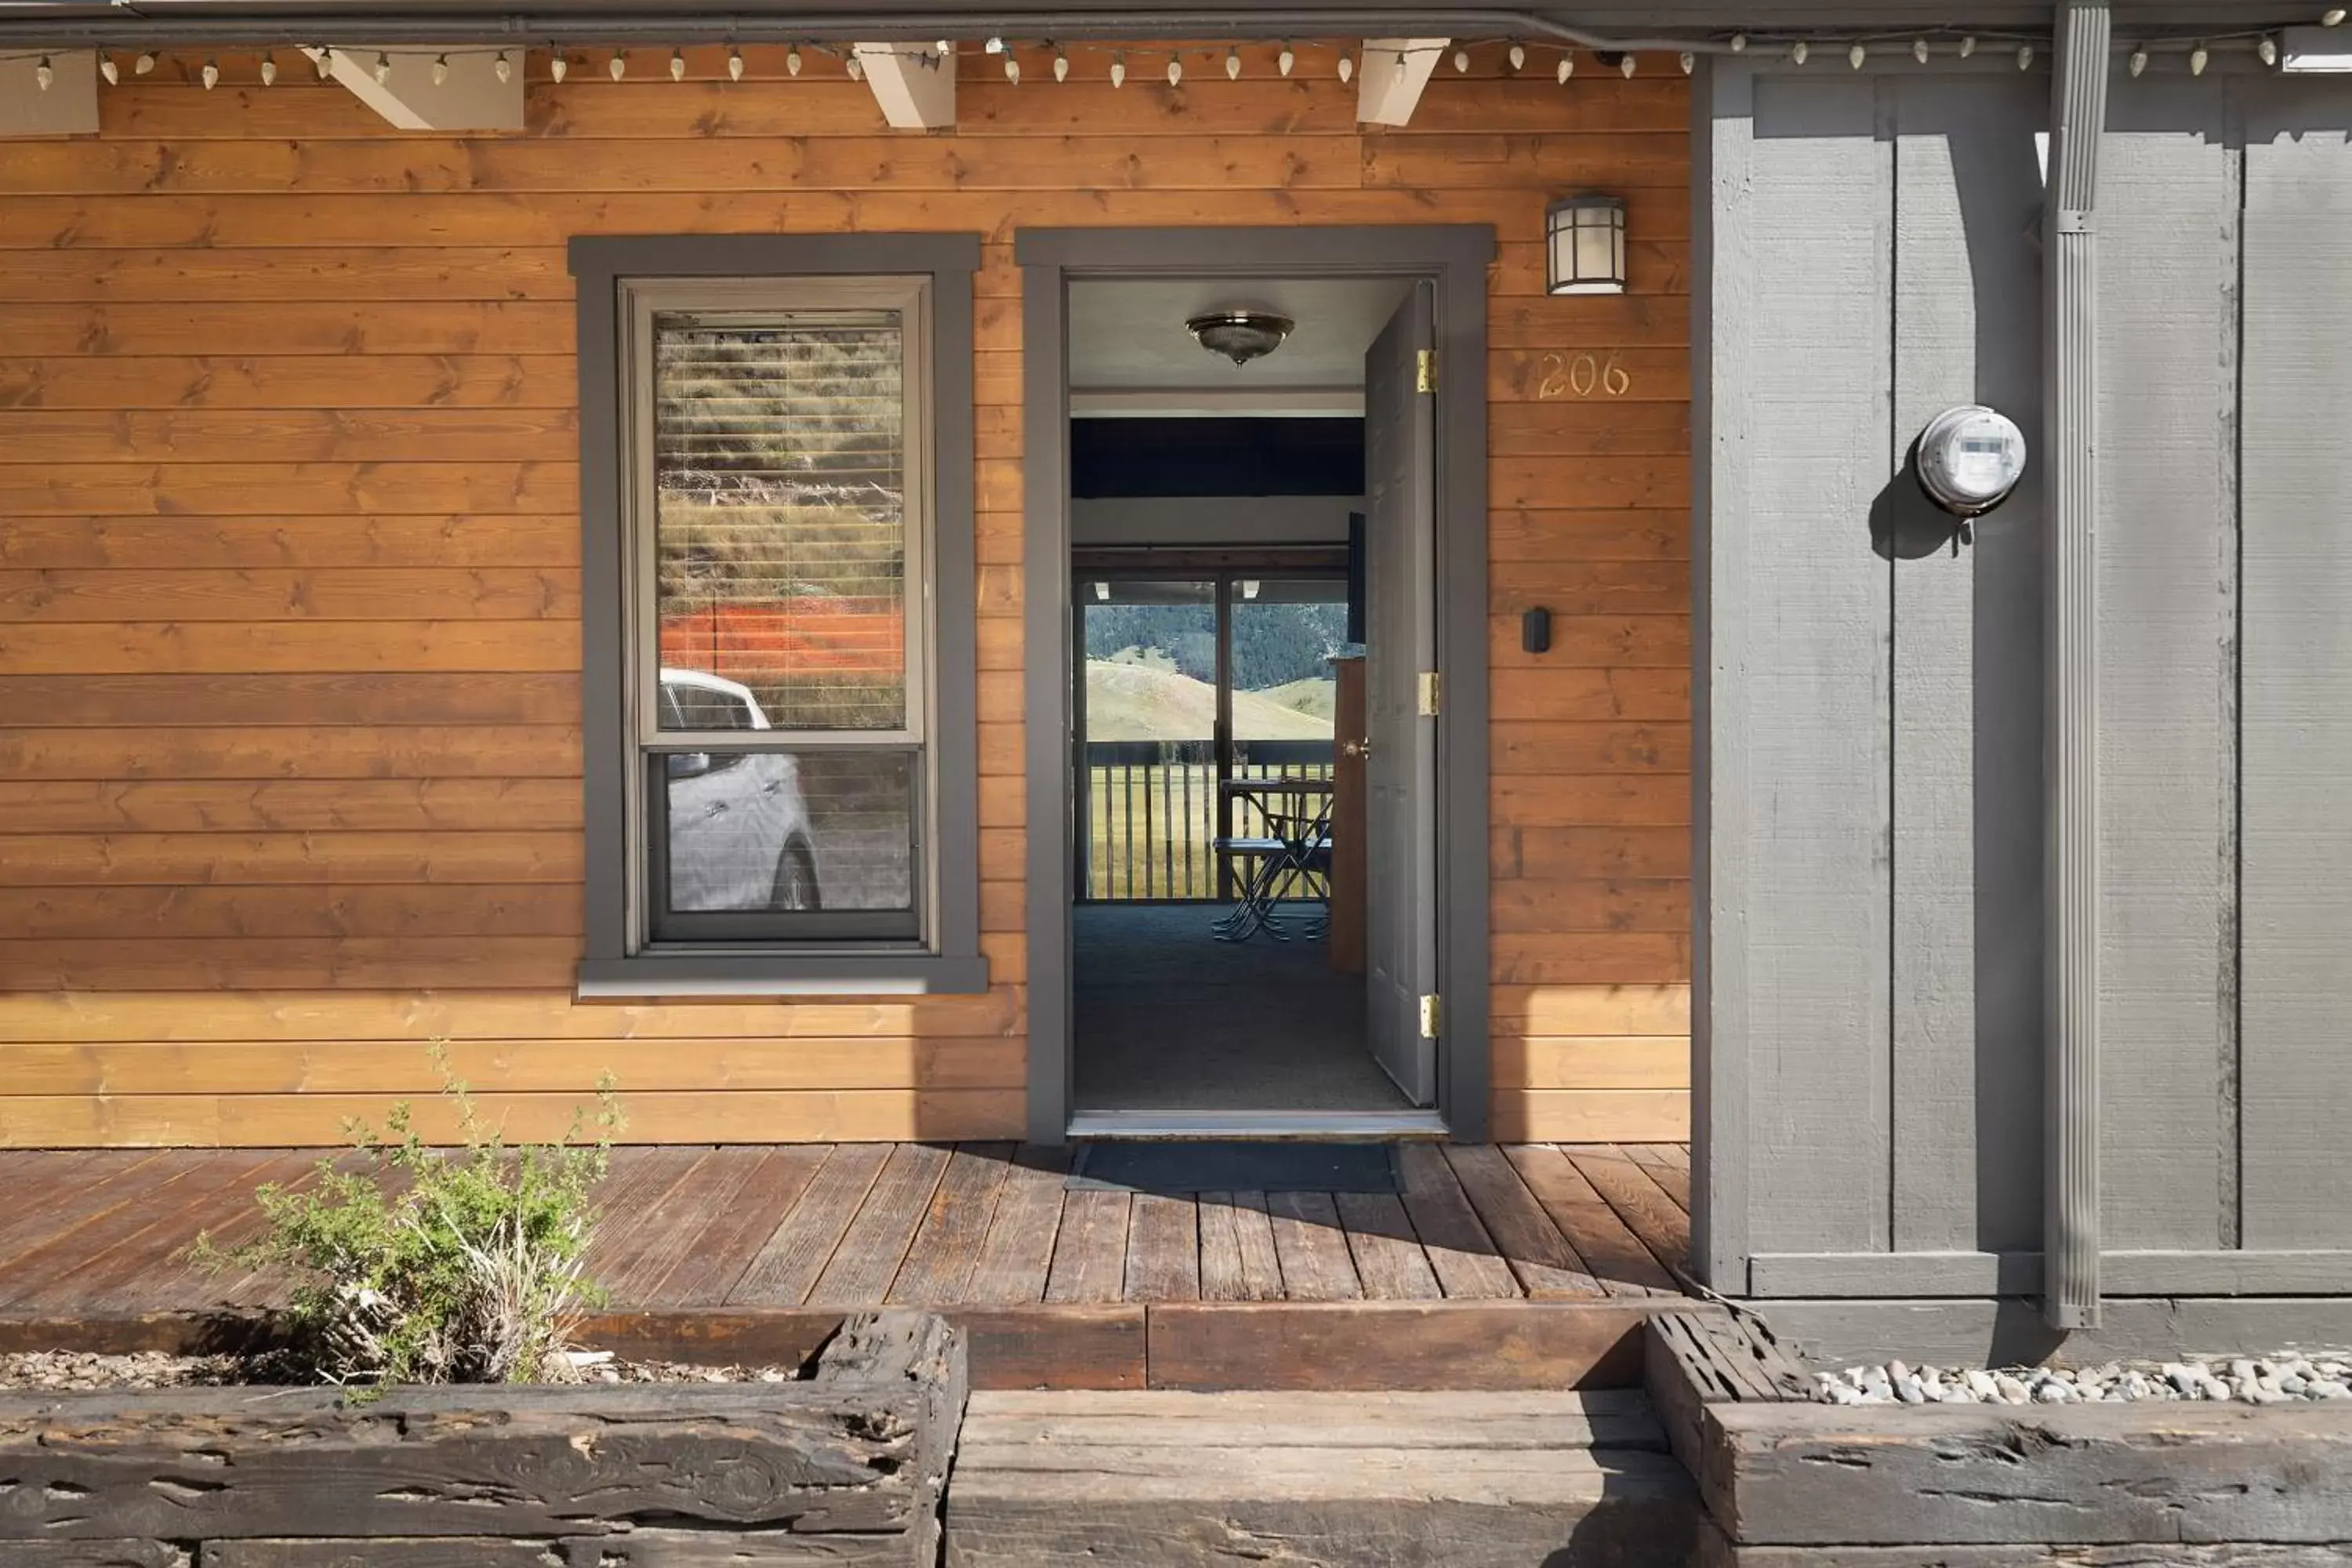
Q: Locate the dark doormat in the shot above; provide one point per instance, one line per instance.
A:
(1218, 1166)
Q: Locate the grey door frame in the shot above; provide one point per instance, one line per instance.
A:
(1455, 258)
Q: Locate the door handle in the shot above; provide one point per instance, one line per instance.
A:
(1358, 749)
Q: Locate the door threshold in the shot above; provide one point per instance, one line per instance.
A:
(1266, 1125)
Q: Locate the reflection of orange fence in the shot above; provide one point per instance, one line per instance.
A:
(746, 639)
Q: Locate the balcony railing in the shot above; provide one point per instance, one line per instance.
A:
(1149, 816)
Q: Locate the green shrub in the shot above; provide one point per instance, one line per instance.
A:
(425, 1265)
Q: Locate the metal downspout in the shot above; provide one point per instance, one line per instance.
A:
(2069, 1247)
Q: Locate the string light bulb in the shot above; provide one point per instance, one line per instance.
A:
(44, 74)
(503, 68)
(1175, 70)
(792, 61)
(440, 70)
(382, 68)
(1920, 50)
(2025, 57)
(1233, 64)
(1738, 43)
(2138, 64)
(2332, 17)
(2268, 51)
(1462, 62)
(1689, 62)
(109, 69)
(1401, 70)
(1855, 55)
(1285, 61)
(944, 48)
(1567, 68)
(1013, 68)
(268, 70)
(144, 64)
(1968, 46)
(1517, 55)
(1800, 52)
(2199, 58)
(1118, 71)
(856, 69)
(1347, 67)
(324, 60)
(994, 46)
(619, 65)
(677, 65)
(211, 74)
(557, 66)
(1625, 68)
(1061, 66)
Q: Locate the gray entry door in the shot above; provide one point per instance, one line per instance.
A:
(1400, 638)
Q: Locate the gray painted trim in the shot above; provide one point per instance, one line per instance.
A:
(1256, 1123)
(599, 263)
(1723, 107)
(2317, 1272)
(2011, 1332)
(2070, 443)
(1455, 256)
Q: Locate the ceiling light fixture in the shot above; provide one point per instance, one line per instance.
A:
(1240, 335)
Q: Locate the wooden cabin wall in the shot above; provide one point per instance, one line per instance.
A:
(290, 697)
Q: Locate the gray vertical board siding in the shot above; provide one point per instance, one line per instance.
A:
(1812, 662)
(1048, 674)
(1721, 101)
(2297, 671)
(1967, 1029)
(2166, 582)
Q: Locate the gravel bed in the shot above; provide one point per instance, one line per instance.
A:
(76, 1370)
(2245, 1380)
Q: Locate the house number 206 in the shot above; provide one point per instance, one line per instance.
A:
(1583, 377)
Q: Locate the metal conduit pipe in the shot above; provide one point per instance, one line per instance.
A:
(2070, 1170)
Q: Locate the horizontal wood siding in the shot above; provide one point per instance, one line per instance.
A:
(289, 576)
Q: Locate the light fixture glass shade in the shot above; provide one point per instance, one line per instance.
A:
(1586, 247)
(1240, 335)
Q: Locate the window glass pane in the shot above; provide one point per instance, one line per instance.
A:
(779, 514)
(786, 830)
(1284, 632)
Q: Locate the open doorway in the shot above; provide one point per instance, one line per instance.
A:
(1419, 437)
(1252, 501)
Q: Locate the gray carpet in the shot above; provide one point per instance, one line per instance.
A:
(1170, 1019)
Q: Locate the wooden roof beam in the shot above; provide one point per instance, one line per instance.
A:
(915, 86)
(1394, 72)
(67, 106)
(471, 98)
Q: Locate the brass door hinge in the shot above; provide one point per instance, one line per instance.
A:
(1424, 370)
(1428, 703)
(1429, 1017)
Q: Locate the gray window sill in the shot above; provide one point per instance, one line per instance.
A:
(694, 975)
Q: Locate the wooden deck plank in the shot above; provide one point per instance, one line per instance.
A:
(151, 1271)
(1468, 1265)
(1387, 1250)
(1315, 1265)
(116, 1177)
(723, 1251)
(642, 1192)
(32, 1271)
(786, 1265)
(1220, 1249)
(672, 1228)
(1541, 1258)
(876, 1243)
(939, 1265)
(1670, 1174)
(1018, 1253)
(1090, 1252)
(1638, 1200)
(1163, 1249)
(1616, 1257)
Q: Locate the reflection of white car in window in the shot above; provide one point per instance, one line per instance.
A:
(740, 836)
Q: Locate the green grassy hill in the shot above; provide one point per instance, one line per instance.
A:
(1136, 701)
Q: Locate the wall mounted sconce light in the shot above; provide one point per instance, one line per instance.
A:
(1587, 244)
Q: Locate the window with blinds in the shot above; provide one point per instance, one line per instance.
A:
(780, 527)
